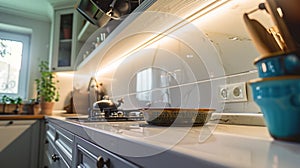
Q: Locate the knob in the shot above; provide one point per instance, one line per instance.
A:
(55, 157)
(101, 162)
(10, 123)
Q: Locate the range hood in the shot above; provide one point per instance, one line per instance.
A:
(100, 12)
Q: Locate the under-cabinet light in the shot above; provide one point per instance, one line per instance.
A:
(65, 74)
(110, 67)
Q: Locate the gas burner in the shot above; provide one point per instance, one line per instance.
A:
(111, 116)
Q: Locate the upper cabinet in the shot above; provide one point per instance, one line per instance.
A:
(64, 39)
(75, 37)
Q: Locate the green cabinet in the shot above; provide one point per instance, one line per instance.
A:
(64, 42)
(20, 143)
(64, 148)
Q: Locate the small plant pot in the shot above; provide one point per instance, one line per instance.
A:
(47, 108)
(33, 109)
(67, 33)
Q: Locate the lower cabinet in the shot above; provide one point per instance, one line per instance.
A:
(64, 149)
(90, 155)
(21, 143)
(58, 147)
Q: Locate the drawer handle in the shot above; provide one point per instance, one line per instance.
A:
(55, 157)
(101, 163)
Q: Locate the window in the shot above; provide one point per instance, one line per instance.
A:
(14, 60)
(144, 85)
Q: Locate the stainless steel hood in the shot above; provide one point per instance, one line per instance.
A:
(100, 12)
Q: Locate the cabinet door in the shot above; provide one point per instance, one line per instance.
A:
(19, 143)
(64, 40)
(90, 155)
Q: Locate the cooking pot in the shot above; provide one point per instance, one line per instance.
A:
(115, 9)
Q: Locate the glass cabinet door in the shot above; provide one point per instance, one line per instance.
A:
(64, 40)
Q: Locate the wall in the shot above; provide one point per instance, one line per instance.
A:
(39, 47)
(65, 87)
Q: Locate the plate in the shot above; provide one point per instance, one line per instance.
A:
(177, 116)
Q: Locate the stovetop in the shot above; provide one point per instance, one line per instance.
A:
(118, 116)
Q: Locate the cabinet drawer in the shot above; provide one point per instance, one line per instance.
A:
(54, 158)
(91, 155)
(62, 139)
(50, 132)
(64, 143)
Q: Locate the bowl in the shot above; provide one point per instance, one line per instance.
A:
(279, 101)
(177, 116)
(278, 65)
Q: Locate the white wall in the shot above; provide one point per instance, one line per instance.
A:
(65, 86)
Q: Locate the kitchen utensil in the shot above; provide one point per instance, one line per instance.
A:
(115, 9)
(291, 17)
(177, 116)
(275, 33)
(121, 8)
(279, 101)
(276, 14)
(263, 40)
(278, 64)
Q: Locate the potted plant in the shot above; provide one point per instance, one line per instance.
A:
(47, 91)
(11, 105)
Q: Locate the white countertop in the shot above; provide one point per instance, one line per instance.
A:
(226, 145)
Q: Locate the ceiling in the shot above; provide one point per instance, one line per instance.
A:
(41, 9)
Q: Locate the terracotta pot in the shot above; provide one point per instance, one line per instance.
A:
(67, 33)
(10, 108)
(47, 107)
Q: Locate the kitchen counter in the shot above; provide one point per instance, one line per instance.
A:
(21, 117)
(213, 145)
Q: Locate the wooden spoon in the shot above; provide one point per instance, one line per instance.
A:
(277, 17)
(263, 40)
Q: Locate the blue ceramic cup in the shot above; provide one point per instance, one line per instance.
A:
(279, 101)
(278, 65)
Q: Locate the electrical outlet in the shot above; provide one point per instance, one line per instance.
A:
(235, 92)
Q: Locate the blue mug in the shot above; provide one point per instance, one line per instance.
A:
(279, 101)
(278, 65)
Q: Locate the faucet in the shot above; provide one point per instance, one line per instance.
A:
(96, 92)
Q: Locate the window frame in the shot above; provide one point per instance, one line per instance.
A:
(24, 76)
